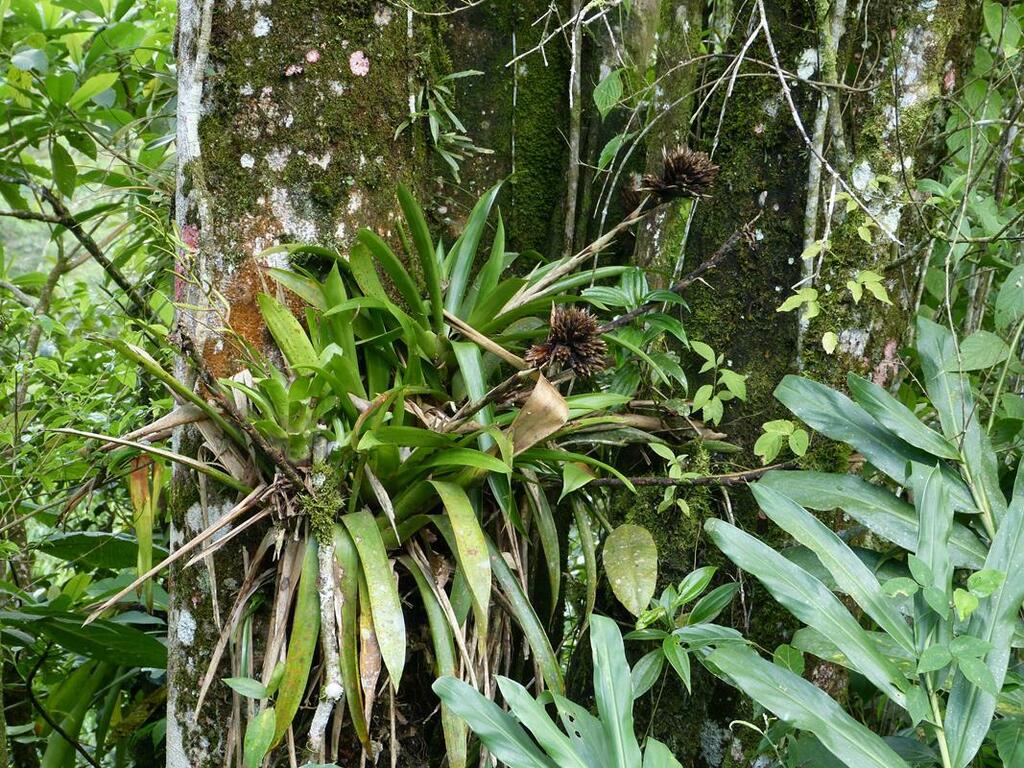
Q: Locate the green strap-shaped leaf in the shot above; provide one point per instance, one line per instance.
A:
(470, 551)
(531, 714)
(951, 395)
(969, 710)
(613, 690)
(487, 280)
(587, 734)
(657, 755)
(394, 269)
(902, 421)
(805, 706)
(259, 736)
(810, 601)
(444, 658)
(498, 731)
(288, 333)
(427, 255)
(347, 558)
(935, 515)
(834, 415)
(465, 255)
(523, 612)
(301, 644)
(385, 603)
(874, 507)
(851, 575)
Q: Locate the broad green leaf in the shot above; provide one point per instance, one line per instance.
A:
(898, 418)
(64, 172)
(346, 557)
(1010, 300)
(92, 87)
(385, 603)
(574, 476)
(259, 736)
(608, 92)
(851, 575)
(970, 709)
(713, 603)
(498, 731)
(302, 641)
(646, 671)
(246, 686)
(95, 549)
(677, 658)
(835, 416)
(657, 755)
(810, 601)
(611, 149)
(613, 691)
(470, 550)
(631, 562)
(871, 506)
(102, 640)
(936, 524)
(289, 335)
(805, 706)
(532, 715)
(979, 351)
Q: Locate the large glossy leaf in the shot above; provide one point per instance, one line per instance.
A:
(288, 333)
(385, 603)
(498, 730)
(836, 416)
(613, 690)
(851, 575)
(470, 550)
(810, 601)
(969, 711)
(631, 562)
(532, 715)
(874, 507)
(805, 706)
(302, 640)
(898, 418)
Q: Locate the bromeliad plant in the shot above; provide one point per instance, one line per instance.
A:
(583, 741)
(944, 618)
(404, 426)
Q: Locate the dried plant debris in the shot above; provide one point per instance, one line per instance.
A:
(573, 343)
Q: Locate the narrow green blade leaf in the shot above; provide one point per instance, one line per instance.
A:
(289, 335)
(385, 603)
(531, 714)
(871, 506)
(805, 706)
(851, 575)
(470, 550)
(462, 266)
(810, 601)
(499, 732)
(427, 255)
(613, 691)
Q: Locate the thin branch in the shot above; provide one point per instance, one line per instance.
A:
(710, 263)
(50, 720)
(732, 478)
(18, 295)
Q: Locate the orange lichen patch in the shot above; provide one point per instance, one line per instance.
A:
(226, 354)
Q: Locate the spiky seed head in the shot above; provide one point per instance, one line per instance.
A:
(573, 342)
(684, 173)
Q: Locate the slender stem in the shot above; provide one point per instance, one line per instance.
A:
(1002, 375)
(940, 731)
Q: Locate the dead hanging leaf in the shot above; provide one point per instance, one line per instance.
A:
(631, 562)
(544, 413)
(370, 660)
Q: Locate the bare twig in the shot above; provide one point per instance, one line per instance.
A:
(732, 478)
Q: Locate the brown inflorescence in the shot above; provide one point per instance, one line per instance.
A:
(573, 343)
